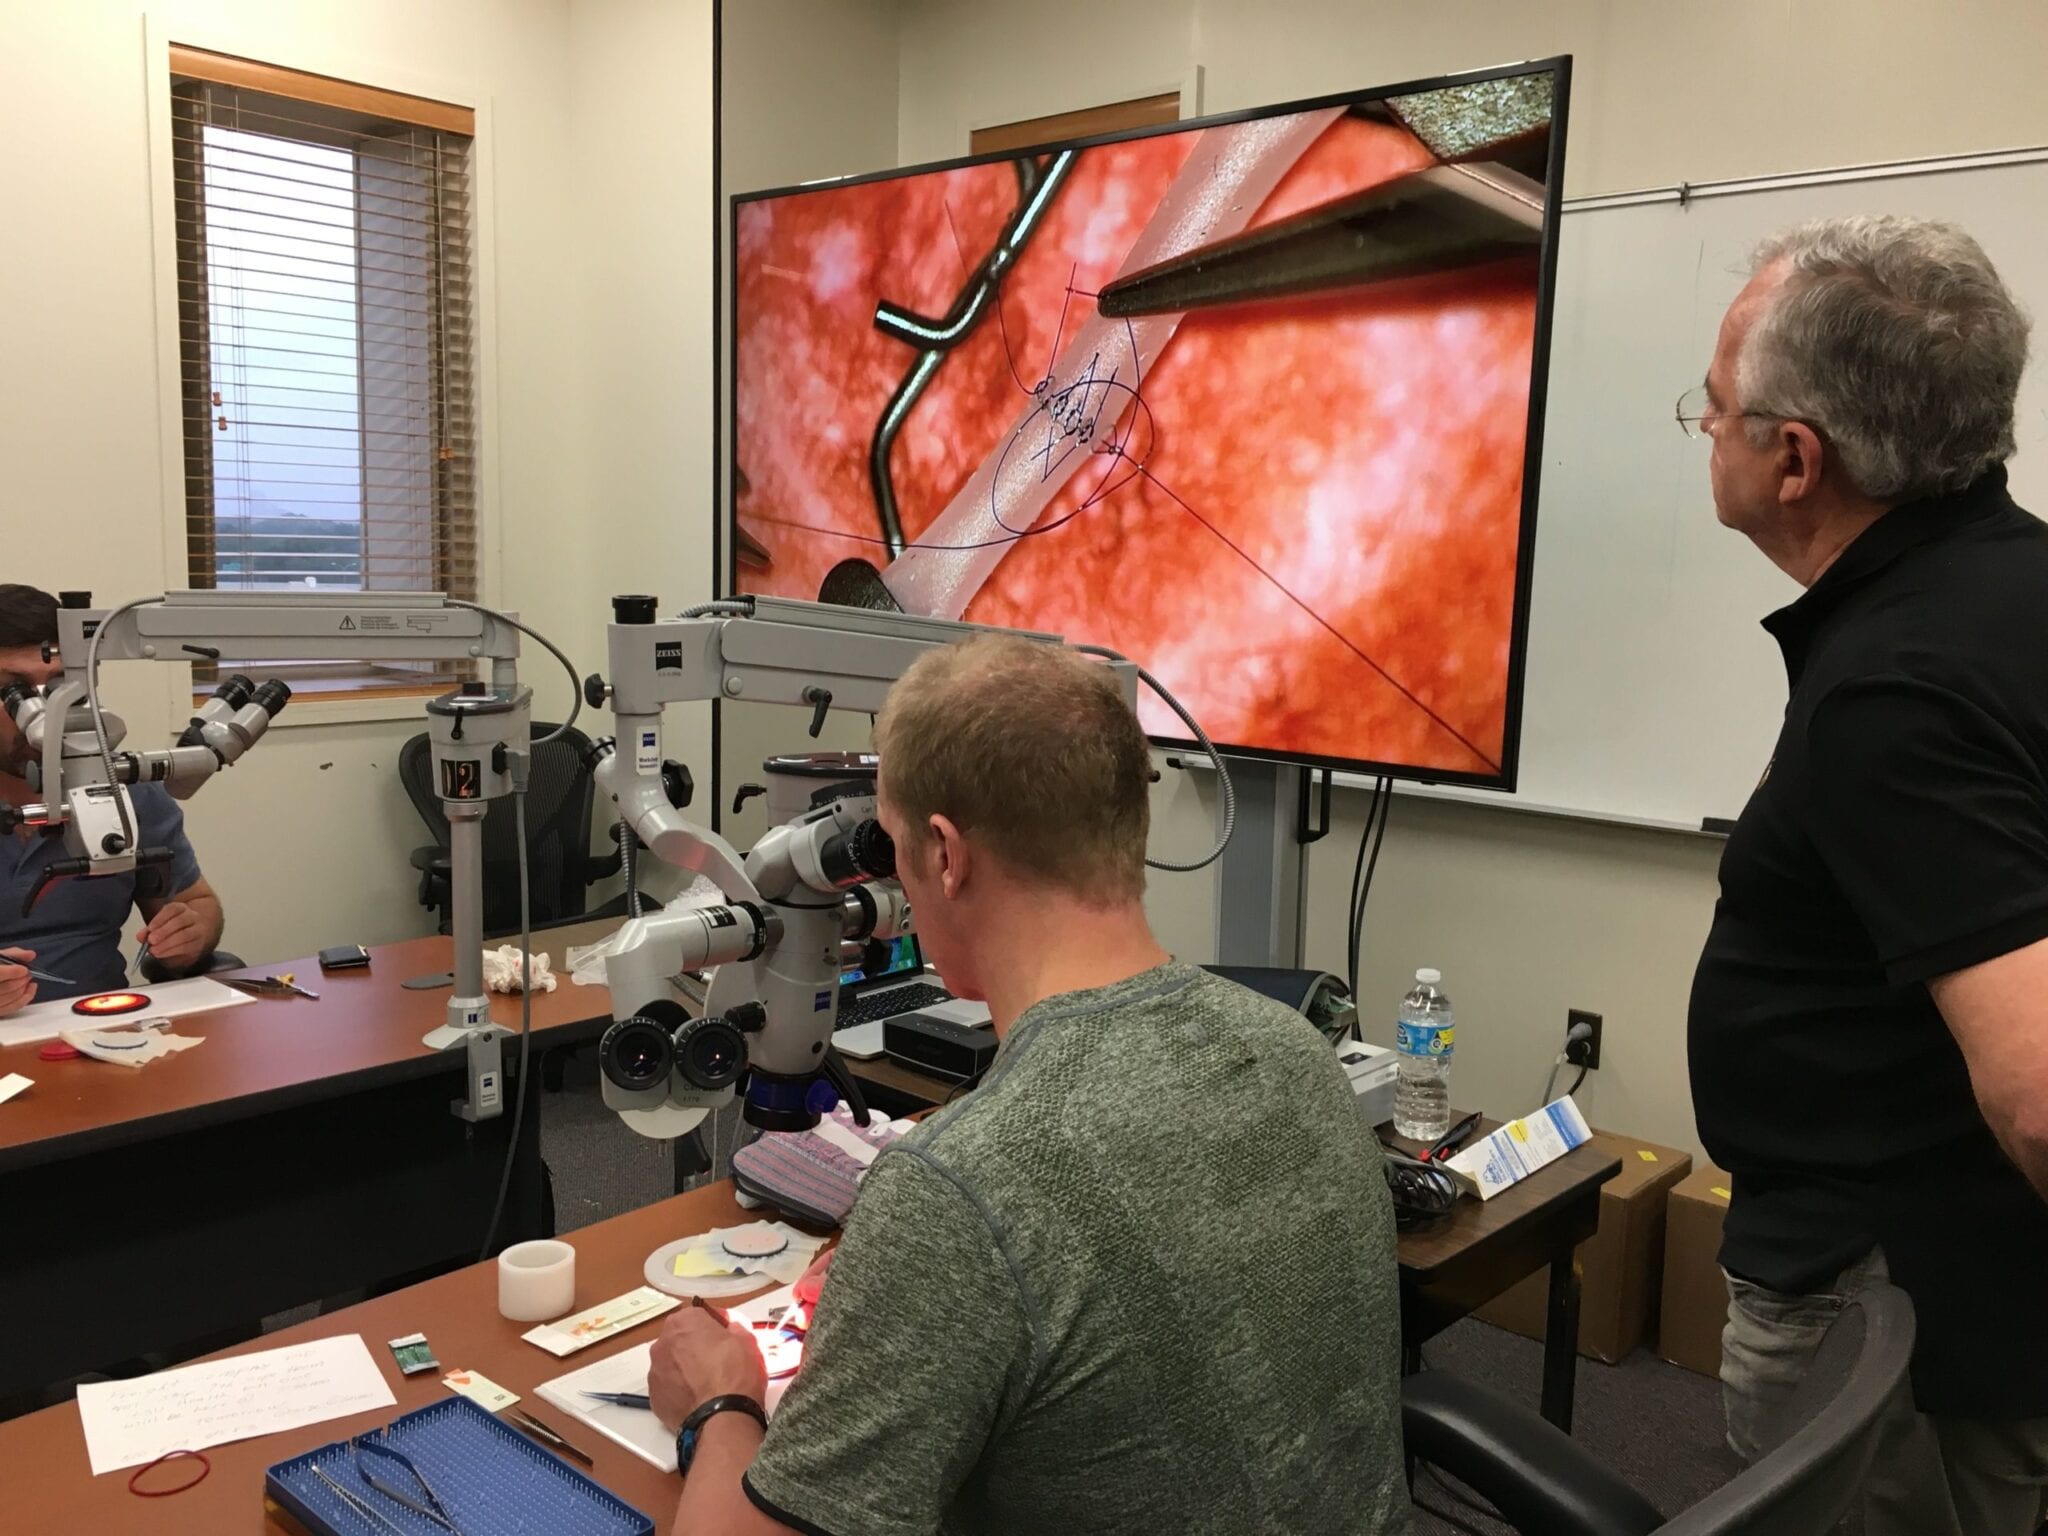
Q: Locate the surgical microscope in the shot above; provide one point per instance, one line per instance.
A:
(825, 877)
(479, 734)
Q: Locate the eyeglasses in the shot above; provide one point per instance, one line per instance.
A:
(1695, 410)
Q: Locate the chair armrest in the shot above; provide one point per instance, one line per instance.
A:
(431, 860)
(1527, 1468)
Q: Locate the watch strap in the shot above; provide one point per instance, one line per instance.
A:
(703, 1413)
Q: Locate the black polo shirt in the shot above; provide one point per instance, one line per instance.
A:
(1899, 833)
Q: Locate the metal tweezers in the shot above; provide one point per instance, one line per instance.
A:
(1430, 221)
(266, 986)
(366, 1451)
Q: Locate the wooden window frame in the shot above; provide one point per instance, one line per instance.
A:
(355, 110)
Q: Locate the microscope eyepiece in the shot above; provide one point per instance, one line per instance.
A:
(273, 696)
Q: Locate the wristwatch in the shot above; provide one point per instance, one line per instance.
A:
(730, 1402)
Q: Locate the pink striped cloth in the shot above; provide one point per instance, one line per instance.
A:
(803, 1175)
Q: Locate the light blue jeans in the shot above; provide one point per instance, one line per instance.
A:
(1933, 1476)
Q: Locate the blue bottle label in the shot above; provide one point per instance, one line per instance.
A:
(1425, 1039)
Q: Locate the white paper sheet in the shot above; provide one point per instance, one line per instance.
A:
(566, 1335)
(168, 1000)
(128, 1423)
(637, 1429)
(12, 1084)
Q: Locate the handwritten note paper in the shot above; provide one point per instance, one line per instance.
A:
(130, 1422)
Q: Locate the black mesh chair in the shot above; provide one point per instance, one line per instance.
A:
(560, 866)
(1544, 1485)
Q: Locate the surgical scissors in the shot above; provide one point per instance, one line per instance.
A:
(433, 1509)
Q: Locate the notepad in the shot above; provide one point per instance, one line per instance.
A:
(128, 1423)
(637, 1429)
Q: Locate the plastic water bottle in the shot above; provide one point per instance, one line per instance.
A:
(1424, 1037)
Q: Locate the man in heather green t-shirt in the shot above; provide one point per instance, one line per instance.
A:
(1143, 1278)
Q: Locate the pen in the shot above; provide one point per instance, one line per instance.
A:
(1451, 1140)
(533, 1426)
(623, 1399)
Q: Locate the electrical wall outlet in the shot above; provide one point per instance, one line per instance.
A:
(1586, 1053)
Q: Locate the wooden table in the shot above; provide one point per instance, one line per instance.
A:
(458, 1312)
(1456, 1267)
(306, 1150)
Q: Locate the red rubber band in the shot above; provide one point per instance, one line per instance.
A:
(205, 1467)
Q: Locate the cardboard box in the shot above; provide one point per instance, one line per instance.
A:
(1621, 1266)
(1695, 1291)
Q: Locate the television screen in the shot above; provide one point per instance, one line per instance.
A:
(1254, 400)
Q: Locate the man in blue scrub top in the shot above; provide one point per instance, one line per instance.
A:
(75, 929)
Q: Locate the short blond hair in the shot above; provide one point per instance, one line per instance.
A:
(1032, 750)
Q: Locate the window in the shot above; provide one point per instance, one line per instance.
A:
(326, 339)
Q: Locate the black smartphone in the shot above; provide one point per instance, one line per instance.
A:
(344, 957)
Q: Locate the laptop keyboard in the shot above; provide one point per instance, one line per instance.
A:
(887, 1004)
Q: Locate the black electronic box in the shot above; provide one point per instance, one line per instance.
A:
(957, 1052)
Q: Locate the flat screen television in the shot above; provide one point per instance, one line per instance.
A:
(1256, 400)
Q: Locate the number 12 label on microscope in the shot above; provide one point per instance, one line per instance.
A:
(461, 779)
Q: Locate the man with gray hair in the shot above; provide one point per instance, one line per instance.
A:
(1869, 1021)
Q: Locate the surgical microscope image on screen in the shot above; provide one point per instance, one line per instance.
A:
(1249, 403)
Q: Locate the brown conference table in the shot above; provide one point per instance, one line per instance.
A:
(458, 1314)
(307, 1149)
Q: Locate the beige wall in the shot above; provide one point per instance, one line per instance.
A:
(594, 340)
(1663, 92)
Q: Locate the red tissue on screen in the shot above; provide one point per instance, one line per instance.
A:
(1305, 517)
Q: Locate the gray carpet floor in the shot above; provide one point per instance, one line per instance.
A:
(1655, 1425)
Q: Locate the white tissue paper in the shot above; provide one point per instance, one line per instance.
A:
(586, 961)
(706, 1256)
(131, 1047)
(502, 970)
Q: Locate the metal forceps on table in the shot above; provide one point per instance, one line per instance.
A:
(267, 986)
(368, 1454)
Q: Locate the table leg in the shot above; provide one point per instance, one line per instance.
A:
(1561, 1341)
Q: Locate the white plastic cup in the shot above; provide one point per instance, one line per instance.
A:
(537, 1281)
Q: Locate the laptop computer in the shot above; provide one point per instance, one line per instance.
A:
(891, 980)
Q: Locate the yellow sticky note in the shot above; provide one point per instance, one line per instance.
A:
(696, 1264)
(1646, 1154)
(1723, 1191)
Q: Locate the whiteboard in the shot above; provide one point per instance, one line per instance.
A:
(1651, 694)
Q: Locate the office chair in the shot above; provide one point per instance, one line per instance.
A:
(560, 866)
(561, 869)
(1543, 1484)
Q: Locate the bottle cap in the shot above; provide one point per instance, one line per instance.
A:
(1428, 976)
